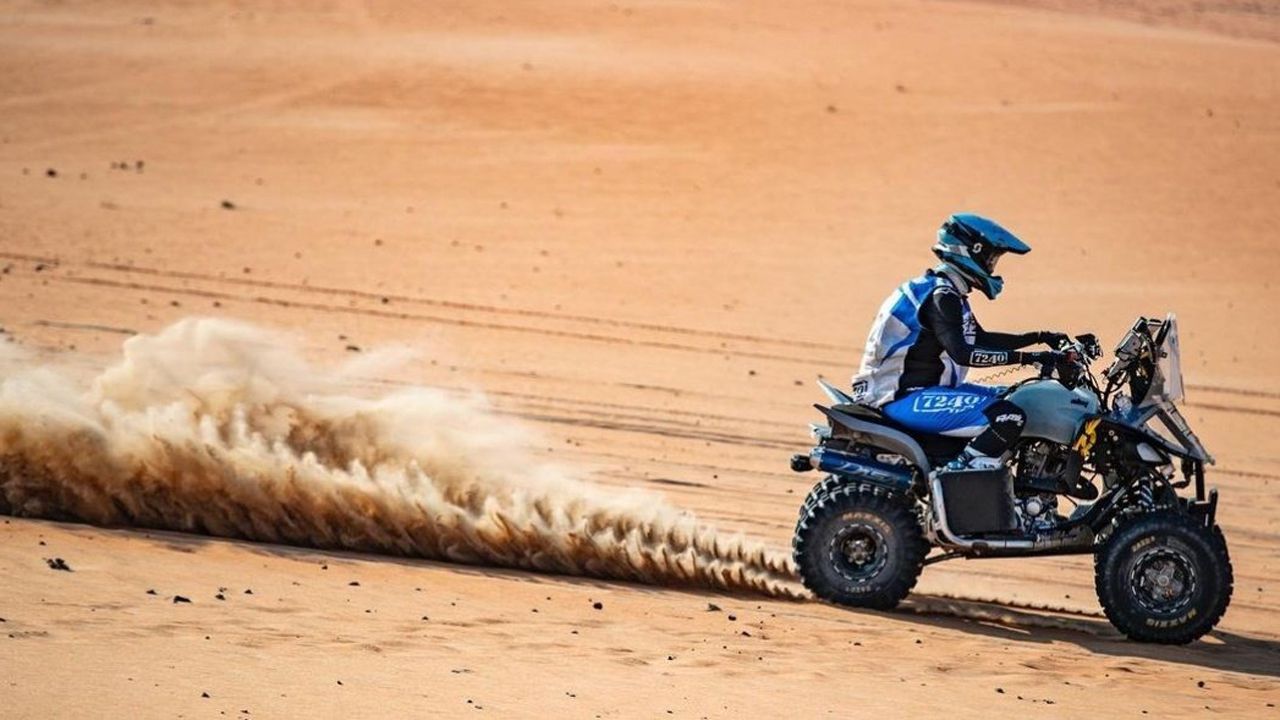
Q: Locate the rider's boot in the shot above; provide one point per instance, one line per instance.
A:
(971, 459)
(987, 450)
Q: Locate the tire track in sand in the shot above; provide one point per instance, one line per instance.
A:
(353, 293)
(515, 312)
(434, 319)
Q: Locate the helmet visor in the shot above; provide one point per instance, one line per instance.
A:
(989, 259)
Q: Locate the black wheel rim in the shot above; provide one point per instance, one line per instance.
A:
(1163, 580)
(859, 552)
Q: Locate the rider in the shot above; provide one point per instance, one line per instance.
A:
(925, 338)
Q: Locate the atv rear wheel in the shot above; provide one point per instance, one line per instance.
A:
(1164, 578)
(821, 489)
(858, 545)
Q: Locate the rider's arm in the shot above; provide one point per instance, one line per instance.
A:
(1007, 341)
(943, 313)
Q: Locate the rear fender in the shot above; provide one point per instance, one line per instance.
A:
(838, 396)
(870, 433)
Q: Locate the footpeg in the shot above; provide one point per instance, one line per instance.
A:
(1083, 490)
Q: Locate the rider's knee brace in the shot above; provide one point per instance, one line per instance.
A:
(1007, 421)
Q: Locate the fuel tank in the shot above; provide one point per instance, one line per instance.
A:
(1053, 412)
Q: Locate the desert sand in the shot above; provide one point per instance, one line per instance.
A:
(642, 230)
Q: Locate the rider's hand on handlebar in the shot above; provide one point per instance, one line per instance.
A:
(1064, 365)
(1089, 342)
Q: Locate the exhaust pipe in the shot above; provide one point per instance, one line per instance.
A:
(893, 477)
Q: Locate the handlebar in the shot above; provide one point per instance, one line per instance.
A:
(1046, 370)
(1067, 365)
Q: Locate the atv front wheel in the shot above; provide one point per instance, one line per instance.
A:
(1164, 578)
(858, 545)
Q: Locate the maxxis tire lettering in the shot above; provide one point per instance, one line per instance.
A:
(841, 506)
(1204, 547)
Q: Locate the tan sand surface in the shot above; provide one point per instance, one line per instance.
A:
(643, 228)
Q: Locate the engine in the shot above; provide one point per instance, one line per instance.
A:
(1045, 469)
(1037, 512)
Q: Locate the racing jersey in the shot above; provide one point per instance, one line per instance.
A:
(925, 335)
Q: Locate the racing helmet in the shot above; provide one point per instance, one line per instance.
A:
(972, 245)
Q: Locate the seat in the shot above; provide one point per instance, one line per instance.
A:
(938, 449)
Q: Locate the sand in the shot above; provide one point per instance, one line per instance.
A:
(642, 229)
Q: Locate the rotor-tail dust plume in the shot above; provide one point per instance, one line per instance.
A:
(221, 428)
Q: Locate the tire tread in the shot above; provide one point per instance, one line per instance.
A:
(1215, 543)
(891, 506)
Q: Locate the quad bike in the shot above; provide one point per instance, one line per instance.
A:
(1162, 571)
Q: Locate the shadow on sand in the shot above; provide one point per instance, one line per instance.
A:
(1220, 650)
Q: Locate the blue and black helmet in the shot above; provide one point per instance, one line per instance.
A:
(972, 245)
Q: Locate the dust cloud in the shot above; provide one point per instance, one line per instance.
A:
(224, 429)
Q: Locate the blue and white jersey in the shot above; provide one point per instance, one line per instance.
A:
(896, 329)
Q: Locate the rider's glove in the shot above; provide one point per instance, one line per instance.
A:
(1092, 348)
(1055, 340)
